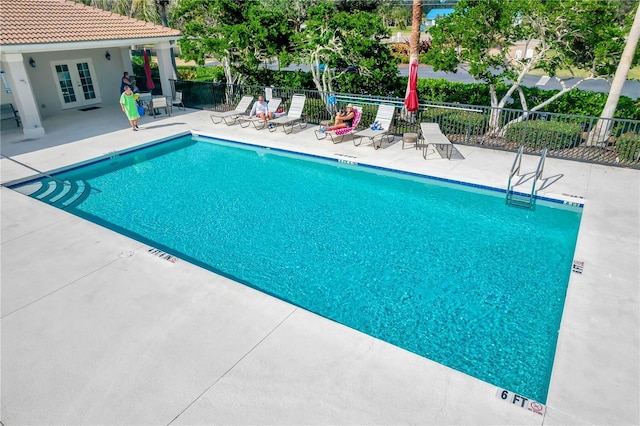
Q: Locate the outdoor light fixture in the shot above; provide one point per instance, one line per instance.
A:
(32, 63)
(107, 55)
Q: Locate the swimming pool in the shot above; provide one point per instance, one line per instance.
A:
(443, 270)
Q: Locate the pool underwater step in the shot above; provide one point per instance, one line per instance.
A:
(522, 201)
(58, 193)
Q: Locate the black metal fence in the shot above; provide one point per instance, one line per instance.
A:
(142, 86)
(614, 142)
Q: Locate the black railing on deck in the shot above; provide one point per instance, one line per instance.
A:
(142, 86)
(564, 136)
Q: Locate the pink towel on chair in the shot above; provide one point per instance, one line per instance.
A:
(356, 119)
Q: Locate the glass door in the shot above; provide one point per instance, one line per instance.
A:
(75, 83)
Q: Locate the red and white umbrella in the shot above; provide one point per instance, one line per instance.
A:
(147, 71)
(411, 99)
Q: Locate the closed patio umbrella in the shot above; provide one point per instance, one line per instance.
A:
(147, 71)
(411, 99)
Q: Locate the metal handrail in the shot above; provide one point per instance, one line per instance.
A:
(515, 168)
(538, 174)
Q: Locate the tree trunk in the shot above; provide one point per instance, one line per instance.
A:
(162, 8)
(602, 130)
(415, 30)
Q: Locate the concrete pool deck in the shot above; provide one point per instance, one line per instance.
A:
(95, 330)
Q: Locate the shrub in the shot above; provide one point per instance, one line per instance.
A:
(441, 90)
(400, 48)
(628, 146)
(575, 102)
(402, 58)
(400, 51)
(539, 134)
(187, 73)
(455, 121)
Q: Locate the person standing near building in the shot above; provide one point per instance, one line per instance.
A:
(130, 107)
(127, 82)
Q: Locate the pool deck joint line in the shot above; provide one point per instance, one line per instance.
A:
(94, 335)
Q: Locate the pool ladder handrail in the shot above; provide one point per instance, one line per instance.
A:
(538, 175)
(515, 168)
(521, 200)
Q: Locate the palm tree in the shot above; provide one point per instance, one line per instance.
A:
(602, 130)
(145, 10)
(415, 30)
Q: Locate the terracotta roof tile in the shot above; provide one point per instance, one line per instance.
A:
(64, 21)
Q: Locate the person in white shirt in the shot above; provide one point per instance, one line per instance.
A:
(260, 109)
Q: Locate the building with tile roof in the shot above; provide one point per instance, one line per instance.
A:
(57, 55)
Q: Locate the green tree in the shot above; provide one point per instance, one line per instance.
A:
(401, 16)
(394, 14)
(295, 11)
(240, 34)
(146, 10)
(479, 35)
(352, 6)
(333, 40)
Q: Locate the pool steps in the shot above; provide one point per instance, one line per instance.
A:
(61, 194)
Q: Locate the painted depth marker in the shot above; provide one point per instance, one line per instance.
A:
(521, 401)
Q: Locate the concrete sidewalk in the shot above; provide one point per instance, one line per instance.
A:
(95, 330)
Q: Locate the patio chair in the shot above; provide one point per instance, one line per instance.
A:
(430, 134)
(272, 107)
(383, 120)
(338, 135)
(293, 117)
(231, 117)
(157, 103)
(177, 100)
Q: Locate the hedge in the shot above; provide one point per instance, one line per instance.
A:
(539, 134)
(574, 102)
(628, 146)
(456, 121)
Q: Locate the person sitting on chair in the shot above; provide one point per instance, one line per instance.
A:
(343, 120)
(260, 109)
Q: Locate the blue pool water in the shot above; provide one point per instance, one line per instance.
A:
(443, 270)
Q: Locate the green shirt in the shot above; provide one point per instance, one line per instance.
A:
(130, 106)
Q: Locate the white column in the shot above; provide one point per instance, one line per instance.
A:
(163, 52)
(125, 56)
(25, 101)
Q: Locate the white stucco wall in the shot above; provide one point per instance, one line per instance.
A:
(36, 93)
(107, 76)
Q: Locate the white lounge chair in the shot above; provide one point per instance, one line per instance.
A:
(230, 117)
(384, 117)
(430, 134)
(258, 123)
(293, 117)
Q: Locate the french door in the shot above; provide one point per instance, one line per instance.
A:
(76, 83)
